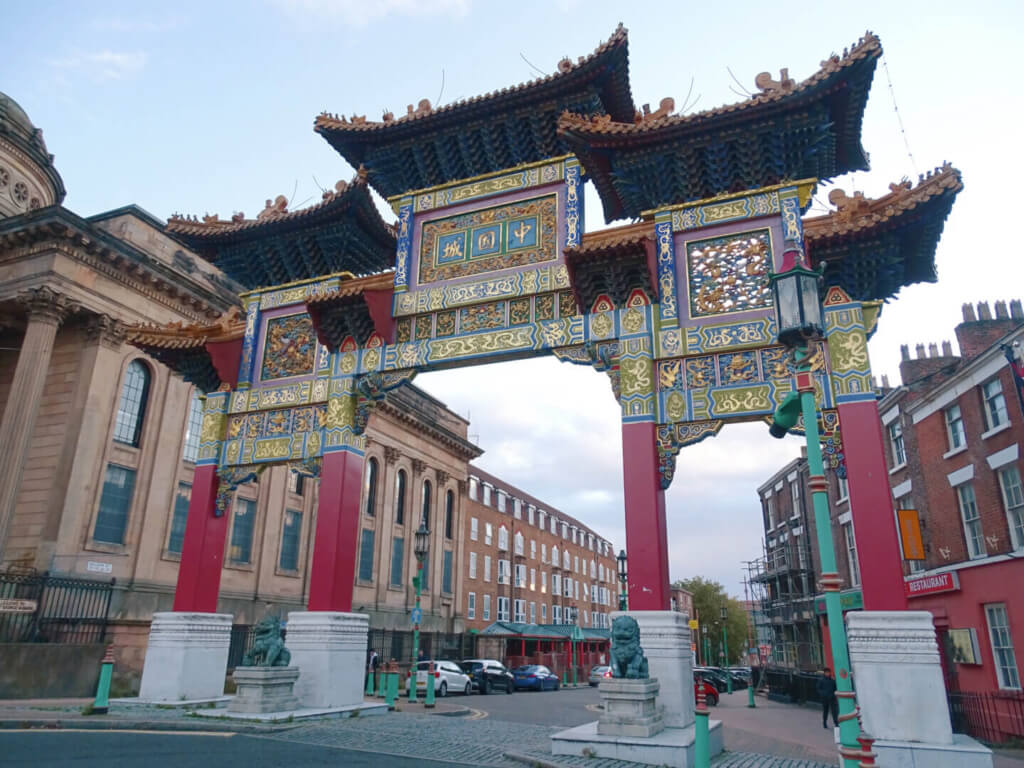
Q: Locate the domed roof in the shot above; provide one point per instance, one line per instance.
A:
(28, 178)
(10, 110)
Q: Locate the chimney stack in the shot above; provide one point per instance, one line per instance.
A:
(933, 350)
(1016, 311)
(984, 313)
(977, 333)
(1001, 313)
(919, 349)
(968, 312)
(885, 380)
(947, 349)
(905, 350)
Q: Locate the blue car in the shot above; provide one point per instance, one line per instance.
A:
(536, 677)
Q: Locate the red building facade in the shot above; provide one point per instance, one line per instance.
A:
(953, 430)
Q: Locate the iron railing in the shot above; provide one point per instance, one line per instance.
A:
(997, 718)
(41, 608)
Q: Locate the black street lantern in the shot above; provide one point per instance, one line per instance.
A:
(422, 544)
(797, 301)
(622, 566)
(725, 613)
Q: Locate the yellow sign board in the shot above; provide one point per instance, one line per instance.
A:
(694, 623)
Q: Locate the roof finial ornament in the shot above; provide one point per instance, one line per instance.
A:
(665, 108)
(422, 109)
(785, 84)
(273, 209)
(848, 206)
(565, 65)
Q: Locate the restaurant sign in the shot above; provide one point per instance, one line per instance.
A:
(932, 585)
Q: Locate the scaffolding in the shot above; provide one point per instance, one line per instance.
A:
(781, 588)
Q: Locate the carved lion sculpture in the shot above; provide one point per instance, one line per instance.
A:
(627, 657)
(267, 646)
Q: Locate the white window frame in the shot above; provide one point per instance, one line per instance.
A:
(486, 616)
(533, 612)
(472, 565)
(533, 579)
(487, 495)
(520, 575)
(501, 500)
(533, 549)
(850, 541)
(487, 568)
(503, 538)
(543, 582)
(474, 488)
(1001, 642)
(474, 528)
(471, 606)
(974, 540)
(503, 608)
(504, 571)
(519, 611)
(556, 614)
(897, 445)
(994, 404)
(488, 534)
(1012, 491)
(519, 542)
(956, 431)
(543, 613)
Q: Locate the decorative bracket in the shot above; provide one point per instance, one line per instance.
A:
(230, 479)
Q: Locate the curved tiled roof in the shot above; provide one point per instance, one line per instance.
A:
(230, 326)
(429, 146)
(788, 131)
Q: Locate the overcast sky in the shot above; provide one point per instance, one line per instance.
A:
(208, 107)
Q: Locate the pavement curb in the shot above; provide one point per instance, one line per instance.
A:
(99, 724)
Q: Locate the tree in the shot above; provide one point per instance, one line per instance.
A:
(708, 599)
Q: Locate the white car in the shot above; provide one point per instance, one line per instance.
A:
(447, 677)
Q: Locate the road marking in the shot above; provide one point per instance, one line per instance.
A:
(595, 707)
(478, 714)
(48, 729)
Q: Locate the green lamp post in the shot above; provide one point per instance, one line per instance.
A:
(799, 316)
(704, 644)
(421, 546)
(623, 580)
(725, 649)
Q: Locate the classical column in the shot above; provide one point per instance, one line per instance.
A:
(80, 468)
(46, 310)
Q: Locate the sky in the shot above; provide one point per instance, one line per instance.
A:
(198, 107)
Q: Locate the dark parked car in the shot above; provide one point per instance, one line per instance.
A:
(535, 677)
(488, 675)
(710, 692)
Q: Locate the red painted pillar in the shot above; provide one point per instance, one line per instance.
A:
(871, 504)
(202, 552)
(336, 542)
(646, 533)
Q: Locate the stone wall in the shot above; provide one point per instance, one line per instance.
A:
(41, 670)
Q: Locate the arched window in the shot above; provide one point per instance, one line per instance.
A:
(132, 408)
(400, 498)
(449, 514)
(193, 427)
(425, 515)
(370, 492)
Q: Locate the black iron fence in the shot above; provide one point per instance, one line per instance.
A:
(40, 608)
(791, 685)
(997, 718)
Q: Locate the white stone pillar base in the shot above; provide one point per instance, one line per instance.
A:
(187, 657)
(329, 648)
(900, 690)
(665, 638)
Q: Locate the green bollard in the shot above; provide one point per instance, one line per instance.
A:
(369, 684)
(565, 678)
(428, 701)
(391, 684)
(702, 743)
(750, 695)
(102, 703)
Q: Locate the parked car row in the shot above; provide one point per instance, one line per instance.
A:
(486, 676)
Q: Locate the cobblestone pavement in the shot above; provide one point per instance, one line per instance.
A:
(481, 742)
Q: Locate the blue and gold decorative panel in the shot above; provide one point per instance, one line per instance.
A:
(666, 272)
(573, 204)
(506, 286)
(252, 319)
(708, 214)
(751, 333)
(482, 317)
(729, 273)
(403, 250)
(511, 235)
(491, 185)
(289, 347)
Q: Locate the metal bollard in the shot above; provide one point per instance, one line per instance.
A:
(102, 703)
(370, 683)
(428, 702)
(702, 743)
(750, 695)
(391, 684)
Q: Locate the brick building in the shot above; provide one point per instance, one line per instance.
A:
(528, 563)
(954, 428)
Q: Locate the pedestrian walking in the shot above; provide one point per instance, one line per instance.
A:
(827, 694)
(372, 665)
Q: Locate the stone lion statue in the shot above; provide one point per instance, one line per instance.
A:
(627, 657)
(267, 646)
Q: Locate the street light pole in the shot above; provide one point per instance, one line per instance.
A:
(420, 548)
(725, 649)
(623, 579)
(704, 644)
(799, 318)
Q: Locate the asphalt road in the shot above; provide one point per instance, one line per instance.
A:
(564, 708)
(154, 749)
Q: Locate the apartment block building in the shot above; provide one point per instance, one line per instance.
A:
(528, 563)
